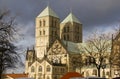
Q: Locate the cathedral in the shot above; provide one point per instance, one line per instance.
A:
(56, 48)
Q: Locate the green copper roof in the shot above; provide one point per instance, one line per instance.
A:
(70, 18)
(47, 12)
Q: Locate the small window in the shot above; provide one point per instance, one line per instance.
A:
(40, 33)
(40, 68)
(64, 37)
(43, 32)
(94, 72)
(52, 23)
(64, 29)
(32, 69)
(67, 37)
(40, 23)
(55, 23)
(52, 33)
(68, 29)
(48, 68)
(43, 22)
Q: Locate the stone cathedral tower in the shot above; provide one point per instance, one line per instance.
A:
(71, 29)
(47, 30)
(55, 46)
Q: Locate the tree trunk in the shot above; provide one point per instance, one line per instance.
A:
(0, 74)
(98, 72)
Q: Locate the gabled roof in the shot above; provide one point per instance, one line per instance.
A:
(71, 18)
(48, 12)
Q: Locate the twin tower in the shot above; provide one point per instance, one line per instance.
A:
(49, 28)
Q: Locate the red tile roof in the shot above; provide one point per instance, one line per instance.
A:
(71, 74)
(17, 75)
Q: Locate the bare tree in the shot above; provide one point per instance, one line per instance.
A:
(98, 50)
(8, 55)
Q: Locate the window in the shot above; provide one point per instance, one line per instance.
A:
(55, 23)
(52, 23)
(52, 33)
(43, 22)
(43, 32)
(55, 33)
(56, 61)
(68, 29)
(67, 37)
(48, 68)
(64, 29)
(94, 72)
(40, 33)
(40, 23)
(64, 37)
(40, 69)
(32, 69)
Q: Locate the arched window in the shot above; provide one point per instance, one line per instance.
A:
(40, 69)
(67, 37)
(40, 23)
(64, 29)
(43, 32)
(56, 61)
(32, 69)
(48, 68)
(64, 37)
(68, 29)
(43, 22)
(40, 33)
(52, 22)
(94, 72)
(55, 23)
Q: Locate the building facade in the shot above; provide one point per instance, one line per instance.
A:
(54, 46)
(115, 56)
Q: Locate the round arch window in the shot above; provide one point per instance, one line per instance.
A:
(40, 68)
(48, 68)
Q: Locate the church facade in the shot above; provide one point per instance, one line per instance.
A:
(55, 51)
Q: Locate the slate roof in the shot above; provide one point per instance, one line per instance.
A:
(48, 12)
(71, 18)
(72, 47)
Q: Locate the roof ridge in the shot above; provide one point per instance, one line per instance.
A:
(71, 18)
(48, 11)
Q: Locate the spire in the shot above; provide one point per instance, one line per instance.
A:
(48, 12)
(71, 18)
